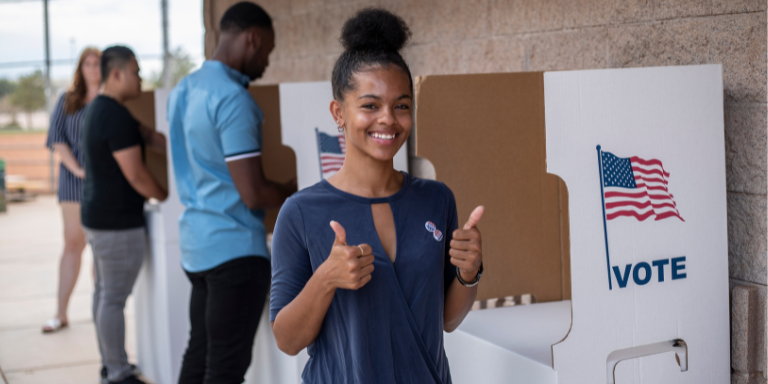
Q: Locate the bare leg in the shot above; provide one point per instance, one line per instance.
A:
(69, 267)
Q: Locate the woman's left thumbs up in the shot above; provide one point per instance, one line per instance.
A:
(467, 246)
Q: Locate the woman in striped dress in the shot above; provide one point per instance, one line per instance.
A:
(64, 138)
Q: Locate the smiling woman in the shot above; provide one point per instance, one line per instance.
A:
(370, 294)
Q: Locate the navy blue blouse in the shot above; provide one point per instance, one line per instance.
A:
(66, 129)
(391, 330)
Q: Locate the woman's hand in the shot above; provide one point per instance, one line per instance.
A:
(347, 267)
(68, 159)
(467, 247)
(467, 254)
(79, 173)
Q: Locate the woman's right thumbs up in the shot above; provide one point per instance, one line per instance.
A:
(348, 266)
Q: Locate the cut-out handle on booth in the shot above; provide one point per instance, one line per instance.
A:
(678, 346)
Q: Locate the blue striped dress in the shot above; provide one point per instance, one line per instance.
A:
(66, 129)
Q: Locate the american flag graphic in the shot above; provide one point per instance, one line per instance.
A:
(331, 150)
(636, 187)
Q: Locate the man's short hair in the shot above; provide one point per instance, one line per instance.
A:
(244, 15)
(114, 57)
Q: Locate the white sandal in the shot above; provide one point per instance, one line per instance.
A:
(53, 325)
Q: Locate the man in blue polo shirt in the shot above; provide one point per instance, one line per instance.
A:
(216, 147)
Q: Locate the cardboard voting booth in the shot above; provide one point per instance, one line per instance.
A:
(485, 137)
(162, 290)
(143, 109)
(642, 153)
(605, 188)
(605, 208)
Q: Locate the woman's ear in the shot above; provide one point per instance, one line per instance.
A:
(337, 113)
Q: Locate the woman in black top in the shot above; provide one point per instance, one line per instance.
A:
(64, 138)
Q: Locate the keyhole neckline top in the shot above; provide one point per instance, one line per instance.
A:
(371, 200)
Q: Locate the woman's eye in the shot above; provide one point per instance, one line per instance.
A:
(403, 106)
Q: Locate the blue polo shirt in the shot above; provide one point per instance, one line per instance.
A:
(213, 119)
(390, 331)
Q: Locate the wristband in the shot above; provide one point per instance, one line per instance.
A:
(473, 283)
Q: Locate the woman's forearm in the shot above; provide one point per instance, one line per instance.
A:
(458, 303)
(68, 159)
(347, 267)
(299, 322)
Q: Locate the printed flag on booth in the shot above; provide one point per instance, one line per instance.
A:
(636, 187)
(331, 150)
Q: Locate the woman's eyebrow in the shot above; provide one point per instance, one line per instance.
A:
(406, 96)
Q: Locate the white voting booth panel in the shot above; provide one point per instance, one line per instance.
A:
(162, 290)
(640, 277)
(508, 345)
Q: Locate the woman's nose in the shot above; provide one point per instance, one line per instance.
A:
(387, 117)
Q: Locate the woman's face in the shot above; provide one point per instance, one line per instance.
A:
(377, 116)
(91, 69)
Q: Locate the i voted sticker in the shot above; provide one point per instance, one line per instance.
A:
(433, 228)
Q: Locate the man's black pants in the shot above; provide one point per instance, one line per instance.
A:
(224, 309)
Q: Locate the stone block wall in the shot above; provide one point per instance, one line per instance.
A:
(478, 36)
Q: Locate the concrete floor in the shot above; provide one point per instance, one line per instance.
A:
(30, 246)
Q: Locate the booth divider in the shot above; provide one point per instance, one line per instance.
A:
(484, 135)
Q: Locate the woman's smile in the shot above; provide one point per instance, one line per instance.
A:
(384, 138)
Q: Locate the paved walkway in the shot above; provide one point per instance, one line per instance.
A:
(30, 245)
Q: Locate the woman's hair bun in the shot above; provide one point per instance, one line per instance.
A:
(375, 29)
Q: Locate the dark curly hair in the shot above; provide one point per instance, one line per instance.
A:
(373, 37)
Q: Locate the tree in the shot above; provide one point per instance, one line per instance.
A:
(29, 94)
(6, 87)
(180, 65)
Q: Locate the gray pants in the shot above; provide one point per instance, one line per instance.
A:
(117, 257)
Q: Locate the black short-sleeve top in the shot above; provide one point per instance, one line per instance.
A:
(109, 201)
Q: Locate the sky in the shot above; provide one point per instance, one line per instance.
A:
(76, 24)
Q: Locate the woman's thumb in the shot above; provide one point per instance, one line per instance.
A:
(341, 234)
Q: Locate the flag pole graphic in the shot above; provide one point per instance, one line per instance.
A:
(319, 152)
(605, 225)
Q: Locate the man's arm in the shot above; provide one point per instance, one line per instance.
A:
(255, 190)
(155, 141)
(132, 166)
